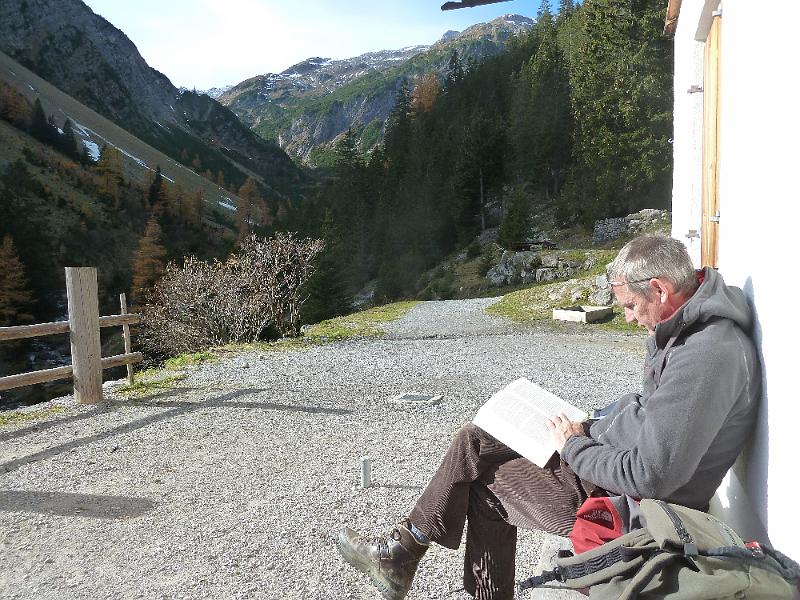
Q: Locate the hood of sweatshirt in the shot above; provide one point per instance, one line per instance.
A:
(713, 299)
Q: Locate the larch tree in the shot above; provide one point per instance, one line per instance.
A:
(16, 300)
(13, 106)
(425, 93)
(148, 261)
(109, 171)
(250, 208)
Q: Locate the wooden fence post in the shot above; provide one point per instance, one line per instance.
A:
(126, 334)
(84, 333)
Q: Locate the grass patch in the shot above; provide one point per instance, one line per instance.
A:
(283, 345)
(149, 381)
(14, 417)
(188, 360)
(362, 324)
(619, 324)
(536, 303)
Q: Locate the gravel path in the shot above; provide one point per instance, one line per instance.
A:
(233, 484)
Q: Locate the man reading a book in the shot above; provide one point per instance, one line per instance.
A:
(673, 441)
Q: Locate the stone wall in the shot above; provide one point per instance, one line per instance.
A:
(645, 220)
(516, 268)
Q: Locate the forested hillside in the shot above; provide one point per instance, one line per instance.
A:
(572, 121)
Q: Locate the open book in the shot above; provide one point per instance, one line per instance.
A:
(516, 415)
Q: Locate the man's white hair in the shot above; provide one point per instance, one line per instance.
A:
(654, 256)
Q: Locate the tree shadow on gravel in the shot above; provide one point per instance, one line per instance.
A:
(74, 505)
(174, 409)
(99, 409)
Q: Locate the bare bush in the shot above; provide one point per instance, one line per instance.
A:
(206, 304)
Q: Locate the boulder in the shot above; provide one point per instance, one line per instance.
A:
(545, 274)
(526, 261)
(601, 297)
(550, 261)
(503, 273)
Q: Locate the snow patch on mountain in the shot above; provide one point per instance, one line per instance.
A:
(92, 149)
(214, 92)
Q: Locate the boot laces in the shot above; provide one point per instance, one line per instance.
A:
(382, 541)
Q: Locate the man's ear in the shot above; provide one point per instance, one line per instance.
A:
(661, 288)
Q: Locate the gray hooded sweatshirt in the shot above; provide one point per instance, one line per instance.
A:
(702, 382)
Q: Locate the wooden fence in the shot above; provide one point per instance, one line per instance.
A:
(83, 327)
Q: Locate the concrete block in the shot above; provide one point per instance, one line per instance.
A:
(582, 314)
(553, 590)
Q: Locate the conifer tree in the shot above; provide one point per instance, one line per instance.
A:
(13, 106)
(154, 191)
(249, 209)
(109, 171)
(565, 8)
(347, 158)
(454, 73)
(516, 221)
(622, 102)
(16, 300)
(148, 261)
(69, 144)
(327, 289)
(193, 213)
(178, 206)
(42, 128)
(542, 133)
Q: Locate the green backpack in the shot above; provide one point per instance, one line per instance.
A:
(680, 554)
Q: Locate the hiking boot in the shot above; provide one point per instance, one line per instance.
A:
(390, 561)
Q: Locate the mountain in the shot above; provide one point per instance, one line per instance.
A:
(313, 102)
(85, 56)
(93, 132)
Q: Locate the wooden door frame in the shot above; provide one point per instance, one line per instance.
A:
(709, 230)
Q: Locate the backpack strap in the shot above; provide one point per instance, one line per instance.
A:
(760, 556)
(595, 566)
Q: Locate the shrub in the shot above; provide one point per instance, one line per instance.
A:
(205, 304)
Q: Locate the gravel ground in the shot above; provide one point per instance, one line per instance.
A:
(234, 484)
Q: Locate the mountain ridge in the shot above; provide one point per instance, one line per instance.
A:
(358, 92)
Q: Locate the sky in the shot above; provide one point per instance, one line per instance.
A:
(210, 43)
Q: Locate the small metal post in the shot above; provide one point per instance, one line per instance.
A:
(366, 472)
(126, 335)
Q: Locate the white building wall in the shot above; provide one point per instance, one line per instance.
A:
(687, 142)
(759, 232)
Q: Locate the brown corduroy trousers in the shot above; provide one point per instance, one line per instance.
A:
(483, 482)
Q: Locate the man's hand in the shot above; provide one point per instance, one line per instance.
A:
(561, 429)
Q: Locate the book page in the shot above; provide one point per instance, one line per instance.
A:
(543, 401)
(516, 415)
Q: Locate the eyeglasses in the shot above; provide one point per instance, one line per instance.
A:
(612, 284)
